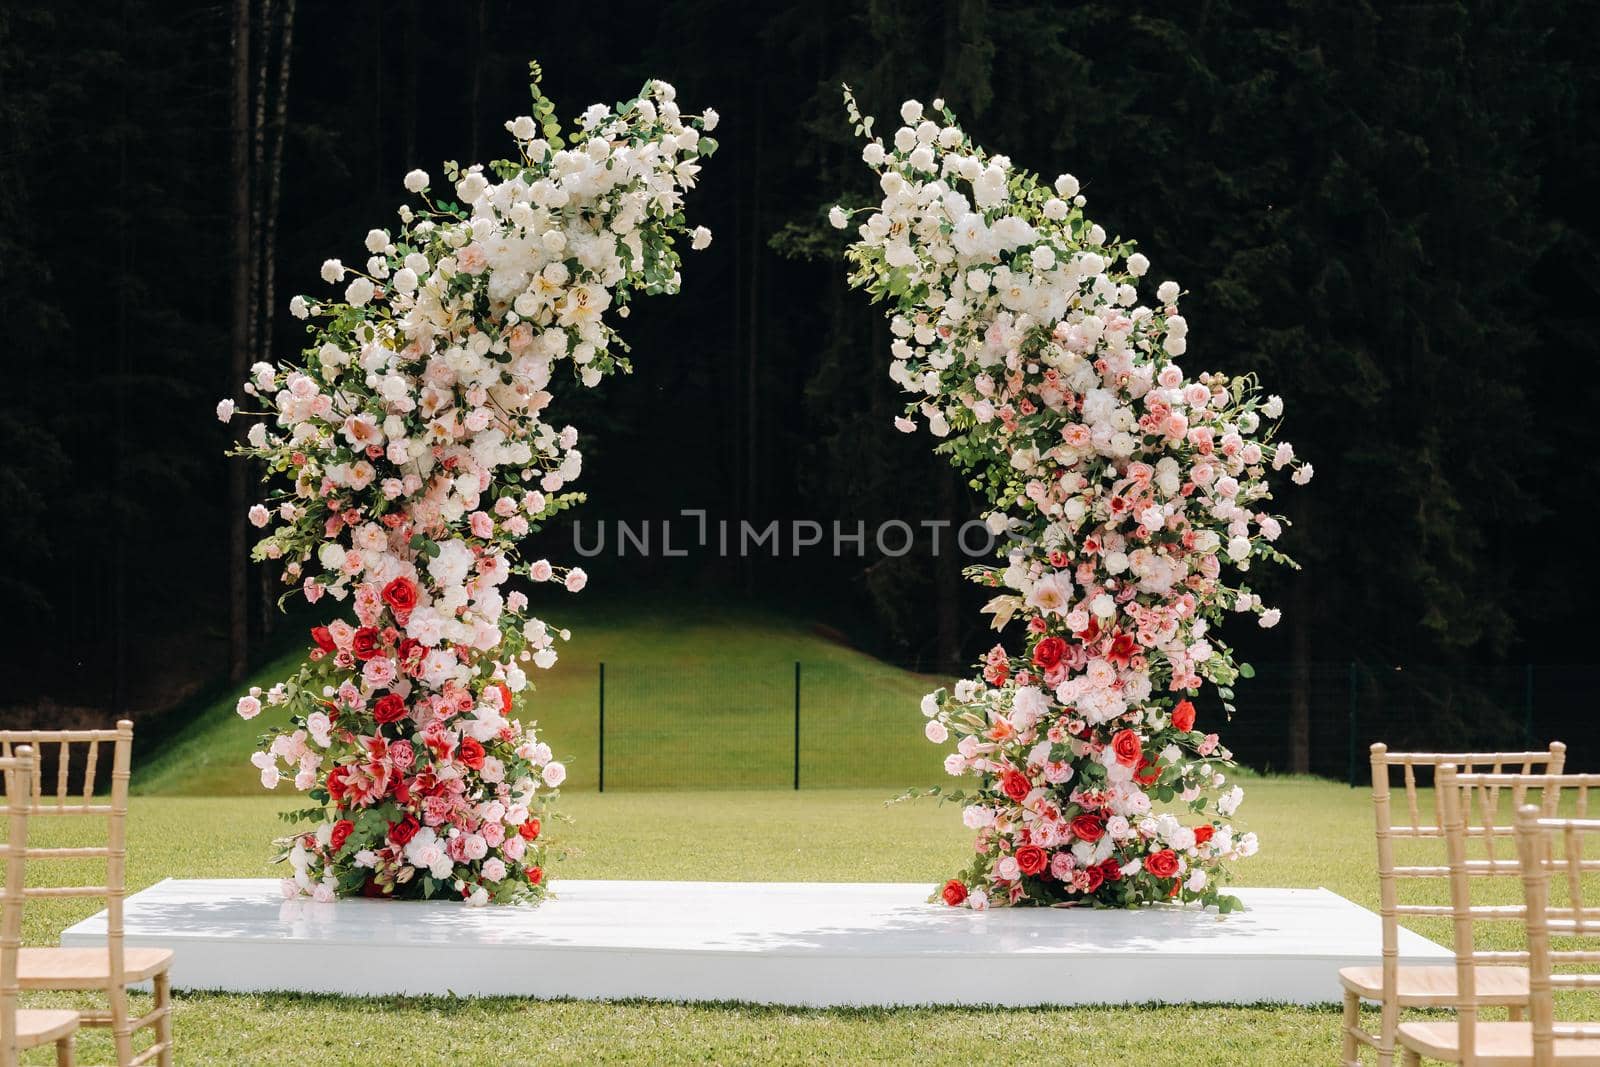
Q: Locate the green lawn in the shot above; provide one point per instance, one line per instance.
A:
(699, 696)
(704, 696)
(1313, 833)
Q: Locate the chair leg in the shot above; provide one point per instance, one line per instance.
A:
(65, 1052)
(121, 1027)
(1411, 1057)
(163, 998)
(1386, 1034)
(1350, 1053)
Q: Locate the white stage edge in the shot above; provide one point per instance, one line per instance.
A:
(794, 943)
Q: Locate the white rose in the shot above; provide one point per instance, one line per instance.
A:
(377, 241)
(1067, 186)
(416, 181)
(837, 218)
(701, 238)
(910, 112)
(224, 410)
(523, 128)
(332, 271)
(1168, 292)
(1270, 617)
(358, 292)
(1138, 263)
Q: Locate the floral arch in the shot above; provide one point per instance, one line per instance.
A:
(1135, 497)
(408, 452)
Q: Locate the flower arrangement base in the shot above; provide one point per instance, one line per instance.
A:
(791, 943)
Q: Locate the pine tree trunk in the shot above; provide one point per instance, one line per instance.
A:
(269, 245)
(239, 355)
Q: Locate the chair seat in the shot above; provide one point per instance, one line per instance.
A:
(1497, 1043)
(38, 1026)
(86, 968)
(1422, 987)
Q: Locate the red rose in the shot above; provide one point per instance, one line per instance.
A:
(336, 786)
(390, 707)
(1147, 772)
(1031, 859)
(529, 830)
(1048, 653)
(1183, 716)
(403, 831)
(954, 893)
(364, 645)
(470, 753)
(1127, 747)
(1088, 828)
(323, 638)
(1015, 785)
(1202, 834)
(535, 875)
(1163, 864)
(1095, 876)
(341, 833)
(1111, 871)
(401, 596)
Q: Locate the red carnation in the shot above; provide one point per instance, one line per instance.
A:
(1048, 652)
(535, 875)
(1015, 785)
(470, 753)
(323, 638)
(364, 645)
(1163, 864)
(390, 707)
(529, 830)
(954, 893)
(1127, 747)
(1031, 859)
(341, 833)
(401, 596)
(403, 831)
(1204, 833)
(1183, 716)
(1088, 828)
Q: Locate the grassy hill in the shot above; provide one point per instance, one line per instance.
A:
(696, 695)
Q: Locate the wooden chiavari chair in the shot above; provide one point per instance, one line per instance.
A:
(1470, 1040)
(26, 1028)
(1392, 986)
(116, 967)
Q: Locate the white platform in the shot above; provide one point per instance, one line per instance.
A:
(796, 943)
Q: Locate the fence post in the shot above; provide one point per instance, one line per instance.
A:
(797, 724)
(1527, 708)
(602, 726)
(1354, 702)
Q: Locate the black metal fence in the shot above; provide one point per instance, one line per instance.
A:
(787, 724)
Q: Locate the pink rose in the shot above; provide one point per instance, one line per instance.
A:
(576, 580)
(482, 524)
(540, 570)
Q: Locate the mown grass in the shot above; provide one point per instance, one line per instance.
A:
(1314, 833)
(699, 696)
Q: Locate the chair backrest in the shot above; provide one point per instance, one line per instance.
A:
(1419, 825)
(67, 799)
(1577, 919)
(16, 768)
(1469, 806)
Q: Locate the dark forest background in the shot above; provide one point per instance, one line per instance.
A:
(1387, 210)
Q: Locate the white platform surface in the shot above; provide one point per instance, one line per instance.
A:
(797, 943)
